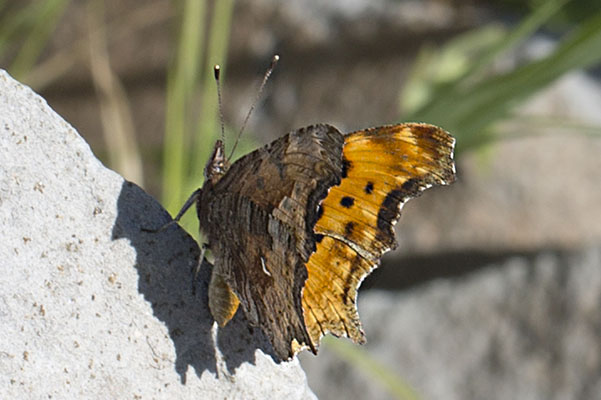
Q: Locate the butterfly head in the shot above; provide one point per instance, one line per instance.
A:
(218, 164)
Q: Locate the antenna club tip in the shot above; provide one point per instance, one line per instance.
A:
(216, 71)
(275, 59)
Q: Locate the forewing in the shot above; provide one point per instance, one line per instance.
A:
(382, 168)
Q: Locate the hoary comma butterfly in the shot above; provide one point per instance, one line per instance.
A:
(295, 226)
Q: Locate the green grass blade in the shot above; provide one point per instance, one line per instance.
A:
(361, 360)
(208, 129)
(493, 99)
(525, 29)
(181, 84)
(203, 121)
(537, 125)
(46, 18)
(463, 60)
(435, 70)
(470, 111)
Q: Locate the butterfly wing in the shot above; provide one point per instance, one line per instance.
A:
(382, 169)
(259, 220)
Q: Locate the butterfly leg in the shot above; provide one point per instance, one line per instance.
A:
(191, 200)
(201, 259)
(203, 250)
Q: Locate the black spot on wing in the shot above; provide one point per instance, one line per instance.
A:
(346, 166)
(349, 228)
(389, 210)
(369, 188)
(411, 187)
(347, 202)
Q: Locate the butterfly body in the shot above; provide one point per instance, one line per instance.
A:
(296, 225)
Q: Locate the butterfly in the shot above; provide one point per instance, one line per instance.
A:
(295, 226)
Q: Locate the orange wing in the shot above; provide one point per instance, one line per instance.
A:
(382, 169)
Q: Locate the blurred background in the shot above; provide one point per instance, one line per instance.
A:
(495, 289)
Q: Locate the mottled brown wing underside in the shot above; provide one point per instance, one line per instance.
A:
(382, 168)
(297, 225)
(259, 224)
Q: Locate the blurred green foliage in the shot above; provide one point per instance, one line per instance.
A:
(457, 88)
(572, 13)
(192, 125)
(25, 29)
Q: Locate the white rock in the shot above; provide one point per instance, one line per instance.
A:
(91, 306)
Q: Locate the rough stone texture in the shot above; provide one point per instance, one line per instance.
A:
(91, 306)
(524, 328)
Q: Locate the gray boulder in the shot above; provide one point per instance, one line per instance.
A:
(91, 306)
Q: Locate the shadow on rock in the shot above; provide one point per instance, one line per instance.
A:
(238, 341)
(165, 263)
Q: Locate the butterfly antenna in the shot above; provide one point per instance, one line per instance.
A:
(217, 73)
(274, 61)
